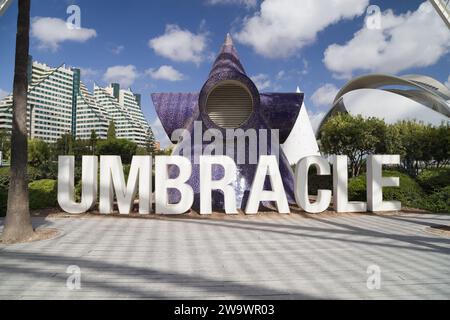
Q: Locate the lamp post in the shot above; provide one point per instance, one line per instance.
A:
(4, 4)
(443, 9)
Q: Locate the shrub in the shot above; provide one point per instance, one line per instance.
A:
(357, 188)
(35, 174)
(434, 179)
(43, 194)
(4, 177)
(438, 201)
(38, 152)
(45, 172)
(409, 193)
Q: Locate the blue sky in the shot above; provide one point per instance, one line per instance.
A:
(166, 46)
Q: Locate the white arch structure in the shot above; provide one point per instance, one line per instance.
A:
(394, 98)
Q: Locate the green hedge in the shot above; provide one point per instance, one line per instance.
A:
(432, 180)
(409, 193)
(45, 172)
(43, 194)
(439, 201)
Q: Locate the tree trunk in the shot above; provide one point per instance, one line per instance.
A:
(18, 221)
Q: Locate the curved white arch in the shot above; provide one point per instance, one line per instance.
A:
(430, 94)
(378, 104)
(437, 94)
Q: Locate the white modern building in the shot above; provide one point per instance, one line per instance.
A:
(393, 99)
(59, 103)
(90, 116)
(50, 97)
(122, 106)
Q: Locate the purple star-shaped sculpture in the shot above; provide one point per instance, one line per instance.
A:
(269, 111)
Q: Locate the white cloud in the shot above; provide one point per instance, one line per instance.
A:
(180, 45)
(282, 27)
(89, 75)
(262, 81)
(88, 72)
(117, 50)
(51, 32)
(124, 75)
(280, 75)
(447, 83)
(3, 94)
(247, 3)
(413, 39)
(165, 73)
(305, 67)
(324, 96)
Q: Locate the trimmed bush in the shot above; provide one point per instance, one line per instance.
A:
(434, 179)
(438, 201)
(409, 193)
(43, 194)
(357, 188)
(45, 172)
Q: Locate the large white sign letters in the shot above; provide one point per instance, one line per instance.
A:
(113, 185)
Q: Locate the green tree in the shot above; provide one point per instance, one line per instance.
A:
(93, 141)
(63, 146)
(413, 145)
(18, 225)
(355, 137)
(165, 152)
(140, 151)
(440, 145)
(111, 131)
(38, 153)
(119, 147)
(81, 148)
(5, 144)
(150, 142)
(421, 146)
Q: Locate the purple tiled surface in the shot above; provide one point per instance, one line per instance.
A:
(271, 111)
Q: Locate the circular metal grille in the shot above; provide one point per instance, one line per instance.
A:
(229, 104)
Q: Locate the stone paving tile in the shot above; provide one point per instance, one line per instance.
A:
(273, 257)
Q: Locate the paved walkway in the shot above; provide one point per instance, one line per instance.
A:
(274, 257)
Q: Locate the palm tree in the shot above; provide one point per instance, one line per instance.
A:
(18, 221)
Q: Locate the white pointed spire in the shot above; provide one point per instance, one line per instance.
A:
(228, 40)
(302, 140)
